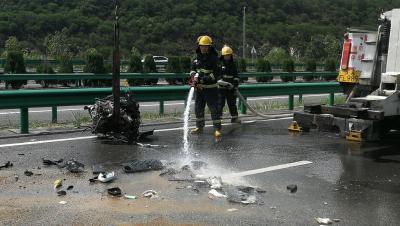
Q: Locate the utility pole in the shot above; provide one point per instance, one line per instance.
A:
(244, 32)
(116, 71)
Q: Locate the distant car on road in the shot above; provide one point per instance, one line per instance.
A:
(159, 59)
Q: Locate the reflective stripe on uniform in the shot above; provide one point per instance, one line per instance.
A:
(199, 119)
(227, 76)
(204, 70)
(216, 121)
(202, 86)
(212, 76)
(236, 79)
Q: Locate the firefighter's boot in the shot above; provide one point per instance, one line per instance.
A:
(217, 134)
(236, 120)
(196, 130)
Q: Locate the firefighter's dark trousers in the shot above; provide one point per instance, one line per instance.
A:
(207, 96)
(228, 95)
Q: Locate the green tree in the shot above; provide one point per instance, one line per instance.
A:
(94, 63)
(149, 66)
(288, 66)
(276, 56)
(173, 66)
(135, 66)
(263, 65)
(15, 64)
(311, 66)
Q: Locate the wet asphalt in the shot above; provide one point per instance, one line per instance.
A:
(359, 184)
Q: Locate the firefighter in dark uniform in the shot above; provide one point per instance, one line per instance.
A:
(204, 76)
(229, 74)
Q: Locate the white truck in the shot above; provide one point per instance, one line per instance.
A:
(370, 75)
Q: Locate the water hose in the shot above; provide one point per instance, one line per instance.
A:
(228, 85)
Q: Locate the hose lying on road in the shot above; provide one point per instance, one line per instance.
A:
(239, 95)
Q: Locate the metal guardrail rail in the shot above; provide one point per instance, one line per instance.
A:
(25, 99)
(108, 76)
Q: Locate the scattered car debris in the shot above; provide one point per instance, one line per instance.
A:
(28, 173)
(103, 121)
(325, 203)
(61, 193)
(57, 183)
(323, 221)
(129, 196)
(74, 166)
(105, 178)
(93, 179)
(70, 187)
(6, 165)
(62, 202)
(168, 171)
(49, 162)
(201, 184)
(292, 188)
(150, 194)
(215, 194)
(232, 210)
(152, 145)
(115, 191)
(16, 177)
(242, 194)
(215, 182)
(21, 154)
(142, 165)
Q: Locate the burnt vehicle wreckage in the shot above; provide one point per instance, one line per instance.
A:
(115, 116)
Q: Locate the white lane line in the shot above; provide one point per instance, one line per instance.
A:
(40, 111)
(46, 141)
(266, 169)
(91, 137)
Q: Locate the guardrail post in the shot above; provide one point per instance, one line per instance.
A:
(24, 120)
(291, 102)
(54, 114)
(161, 107)
(243, 108)
(331, 99)
(301, 98)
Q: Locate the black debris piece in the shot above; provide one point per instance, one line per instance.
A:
(168, 172)
(292, 188)
(145, 134)
(7, 165)
(244, 195)
(28, 173)
(21, 154)
(116, 191)
(70, 187)
(260, 190)
(61, 193)
(93, 179)
(142, 165)
(49, 162)
(74, 166)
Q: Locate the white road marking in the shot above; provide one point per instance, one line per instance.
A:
(46, 141)
(266, 169)
(91, 137)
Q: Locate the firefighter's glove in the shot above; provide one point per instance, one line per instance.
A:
(194, 79)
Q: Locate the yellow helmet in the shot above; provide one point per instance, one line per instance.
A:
(204, 40)
(226, 50)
